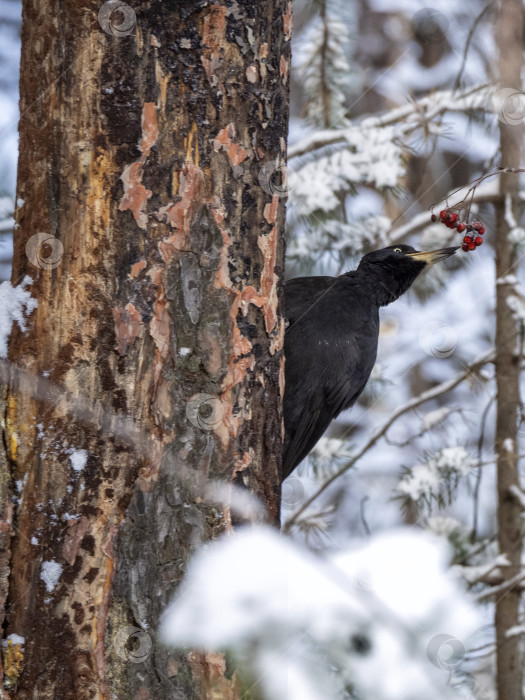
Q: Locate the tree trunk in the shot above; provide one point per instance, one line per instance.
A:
(153, 364)
(508, 359)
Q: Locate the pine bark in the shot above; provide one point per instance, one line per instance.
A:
(508, 359)
(156, 347)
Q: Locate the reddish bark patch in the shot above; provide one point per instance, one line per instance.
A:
(213, 38)
(263, 55)
(268, 245)
(179, 214)
(225, 141)
(135, 194)
(288, 22)
(270, 210)
(137, 268)
(160, 326)
(127, 326)
(284, 69)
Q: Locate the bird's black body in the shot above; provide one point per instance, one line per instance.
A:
(331, 340)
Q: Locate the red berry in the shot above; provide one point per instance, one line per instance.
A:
(454, 217)
(472, 246)
(467, 239)
(461, 227)
(481, 230)
(433, 218)
(442, 213)
(465, 247)
(478, 240)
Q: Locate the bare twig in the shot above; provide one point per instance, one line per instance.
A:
(470, 36)
(428, 395)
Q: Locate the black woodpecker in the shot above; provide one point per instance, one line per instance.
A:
(330, 343)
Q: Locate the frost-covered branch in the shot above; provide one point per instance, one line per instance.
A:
(504, 587)
(410, 116)
(428, 395)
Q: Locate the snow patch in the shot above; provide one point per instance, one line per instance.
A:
(78, 459)
(516, 304)
(15, 304)
(51, 572)
(15, 639)
(425, 480)
(308, 626)
(433, 418)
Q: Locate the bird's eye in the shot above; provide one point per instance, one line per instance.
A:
(397, 250)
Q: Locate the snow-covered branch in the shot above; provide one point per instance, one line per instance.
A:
(410, 116)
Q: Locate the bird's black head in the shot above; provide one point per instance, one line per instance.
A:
(392, 270)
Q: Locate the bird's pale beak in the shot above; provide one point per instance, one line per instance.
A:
(431, 257)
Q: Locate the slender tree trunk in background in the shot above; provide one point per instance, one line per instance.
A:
(148, 156)
(508, 361)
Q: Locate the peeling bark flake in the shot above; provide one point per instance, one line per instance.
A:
(263, 55)
(284, 69)
(213, 36)
(137, 268)
(135, 194)
(127, 326)
(288, 22)
(224, 140)
(270, 210)
(179, 214)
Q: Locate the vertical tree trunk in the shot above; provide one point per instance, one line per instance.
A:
(148, 139)
(508, 361)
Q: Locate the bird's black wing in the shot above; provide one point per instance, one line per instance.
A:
(301, 293)
(330, 353)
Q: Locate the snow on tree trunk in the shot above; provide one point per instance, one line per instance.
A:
(508, 362)
(153, 233)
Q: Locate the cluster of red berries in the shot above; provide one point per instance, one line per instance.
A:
(451, 220)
